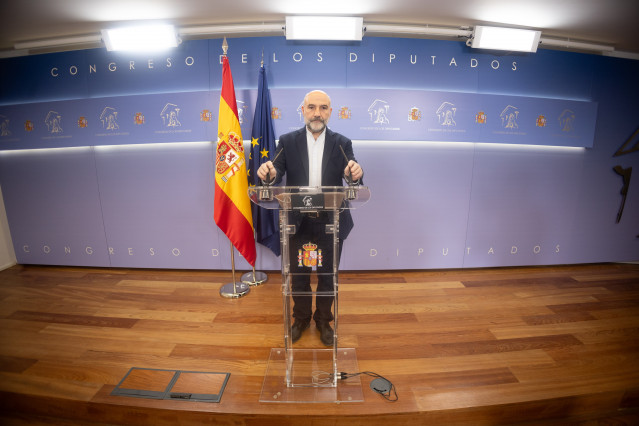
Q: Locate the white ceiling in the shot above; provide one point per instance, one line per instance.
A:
(608, 22)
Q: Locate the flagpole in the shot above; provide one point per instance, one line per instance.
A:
(253, 278)
(233, 290)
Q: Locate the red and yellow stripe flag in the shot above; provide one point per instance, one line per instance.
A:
(232, 210)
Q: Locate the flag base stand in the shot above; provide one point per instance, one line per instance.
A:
(234, 290)
(254, 278)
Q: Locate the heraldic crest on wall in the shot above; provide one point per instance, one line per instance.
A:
(310, 257)
(228, 160)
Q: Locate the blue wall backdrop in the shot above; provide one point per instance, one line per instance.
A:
(473, 159)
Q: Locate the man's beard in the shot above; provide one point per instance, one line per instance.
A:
(316, 126)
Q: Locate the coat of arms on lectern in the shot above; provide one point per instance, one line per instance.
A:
(310, 256)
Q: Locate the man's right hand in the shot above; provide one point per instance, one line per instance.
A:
(267, 169)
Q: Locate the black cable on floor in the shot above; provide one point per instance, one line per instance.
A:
(380, 384)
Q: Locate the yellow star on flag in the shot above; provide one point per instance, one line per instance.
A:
(255, 141)
(264, 153)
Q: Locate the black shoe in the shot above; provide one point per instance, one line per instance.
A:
(297, 329)
(326, 333)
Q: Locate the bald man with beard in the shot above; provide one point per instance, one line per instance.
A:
(311, 156)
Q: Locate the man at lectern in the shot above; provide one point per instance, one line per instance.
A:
(311, 156)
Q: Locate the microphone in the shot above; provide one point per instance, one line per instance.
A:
(268, 179)
(348, 177)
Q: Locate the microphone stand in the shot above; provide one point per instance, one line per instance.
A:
(351, 192)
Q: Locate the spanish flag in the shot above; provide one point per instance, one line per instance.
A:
(232, 210)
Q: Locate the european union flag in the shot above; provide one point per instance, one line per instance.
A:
(262, 150)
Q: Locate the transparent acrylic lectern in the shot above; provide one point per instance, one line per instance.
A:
(309, 220)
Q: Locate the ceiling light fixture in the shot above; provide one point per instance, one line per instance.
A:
(510, 39)
(324, 28)
(142, 38)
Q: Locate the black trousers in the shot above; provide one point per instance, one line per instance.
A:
(312, 230)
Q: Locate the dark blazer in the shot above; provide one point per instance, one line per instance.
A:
(293, 162)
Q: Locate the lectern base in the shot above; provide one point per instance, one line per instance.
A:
(311, 382)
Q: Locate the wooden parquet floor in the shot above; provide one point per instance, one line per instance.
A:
(532, 345)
